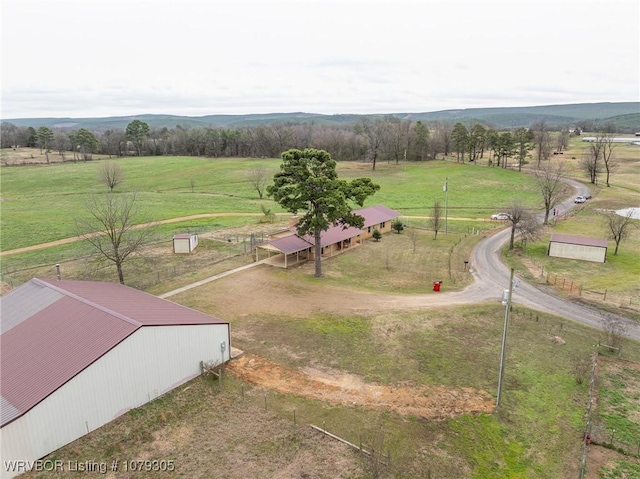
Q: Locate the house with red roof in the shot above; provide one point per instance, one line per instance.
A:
(74, 355)
(287, 247)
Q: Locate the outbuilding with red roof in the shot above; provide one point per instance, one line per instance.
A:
(77, 354)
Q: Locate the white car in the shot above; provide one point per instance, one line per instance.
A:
(500, 216)
(580, 199)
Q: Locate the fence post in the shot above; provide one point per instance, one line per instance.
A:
(605, 295)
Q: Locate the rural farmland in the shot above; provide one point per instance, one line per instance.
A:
(417, 385)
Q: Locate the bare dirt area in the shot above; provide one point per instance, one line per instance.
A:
(344, 389)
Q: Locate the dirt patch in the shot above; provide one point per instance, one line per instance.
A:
(599, 457)
(348, 390)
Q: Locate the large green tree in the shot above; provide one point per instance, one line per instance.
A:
(460, 139)
(522, 139)
(422, 139)
(45, 138)
(137, 131)
(308, 181)
(86, 141)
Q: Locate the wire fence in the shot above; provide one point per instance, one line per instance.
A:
(573, 287)
(591, 401)
(150, 269)
(371, 443)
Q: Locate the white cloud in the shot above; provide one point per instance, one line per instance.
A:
(101, 58)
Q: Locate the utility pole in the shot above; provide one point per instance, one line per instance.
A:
(507, 307)
(445, 188)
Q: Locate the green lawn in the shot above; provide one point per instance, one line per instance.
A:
(40, 203)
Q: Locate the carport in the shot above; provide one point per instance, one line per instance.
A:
(288, 250)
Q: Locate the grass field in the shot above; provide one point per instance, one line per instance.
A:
(40, 203)
(246, 431)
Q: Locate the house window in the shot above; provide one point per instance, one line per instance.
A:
(369, 229)
(382, 225)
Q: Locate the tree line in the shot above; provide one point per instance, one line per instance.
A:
(387, 139)
(382, 139)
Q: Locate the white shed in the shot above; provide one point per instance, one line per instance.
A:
(77, 354)
(184, 242)
(578, 247)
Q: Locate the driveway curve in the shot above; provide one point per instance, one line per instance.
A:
(489, 271)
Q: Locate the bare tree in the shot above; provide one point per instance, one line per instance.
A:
(541, 140)
(258, 177)
(549, 180)
(591, 162)
(562, 140)
(110, 228)
(436, 221)
(8, 135)
(61, 143)
(614, 332)
(110, 174)
(413, 236)
(521, 220)
(528, 230)
(608, 160)
(376, 133)
(619, 227)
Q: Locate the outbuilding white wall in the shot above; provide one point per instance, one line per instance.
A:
(185, 244)
(150, 362)
(576, 251)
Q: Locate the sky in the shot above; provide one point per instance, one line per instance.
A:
(97, 58)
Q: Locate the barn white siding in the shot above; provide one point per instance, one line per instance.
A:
(576, 251)
(150, 362)
(185, 243)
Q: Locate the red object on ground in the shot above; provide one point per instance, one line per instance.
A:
(436, 285)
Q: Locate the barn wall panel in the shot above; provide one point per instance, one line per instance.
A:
(149, 363)
(573, 251)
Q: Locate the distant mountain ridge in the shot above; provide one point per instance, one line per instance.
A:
(625, 115)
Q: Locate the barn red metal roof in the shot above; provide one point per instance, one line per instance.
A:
(290, 244)
(578, 240)
(373, 215)
(43, 351)
(335, 234)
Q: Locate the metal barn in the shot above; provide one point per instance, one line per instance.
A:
(578, 247)
(78, 354)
